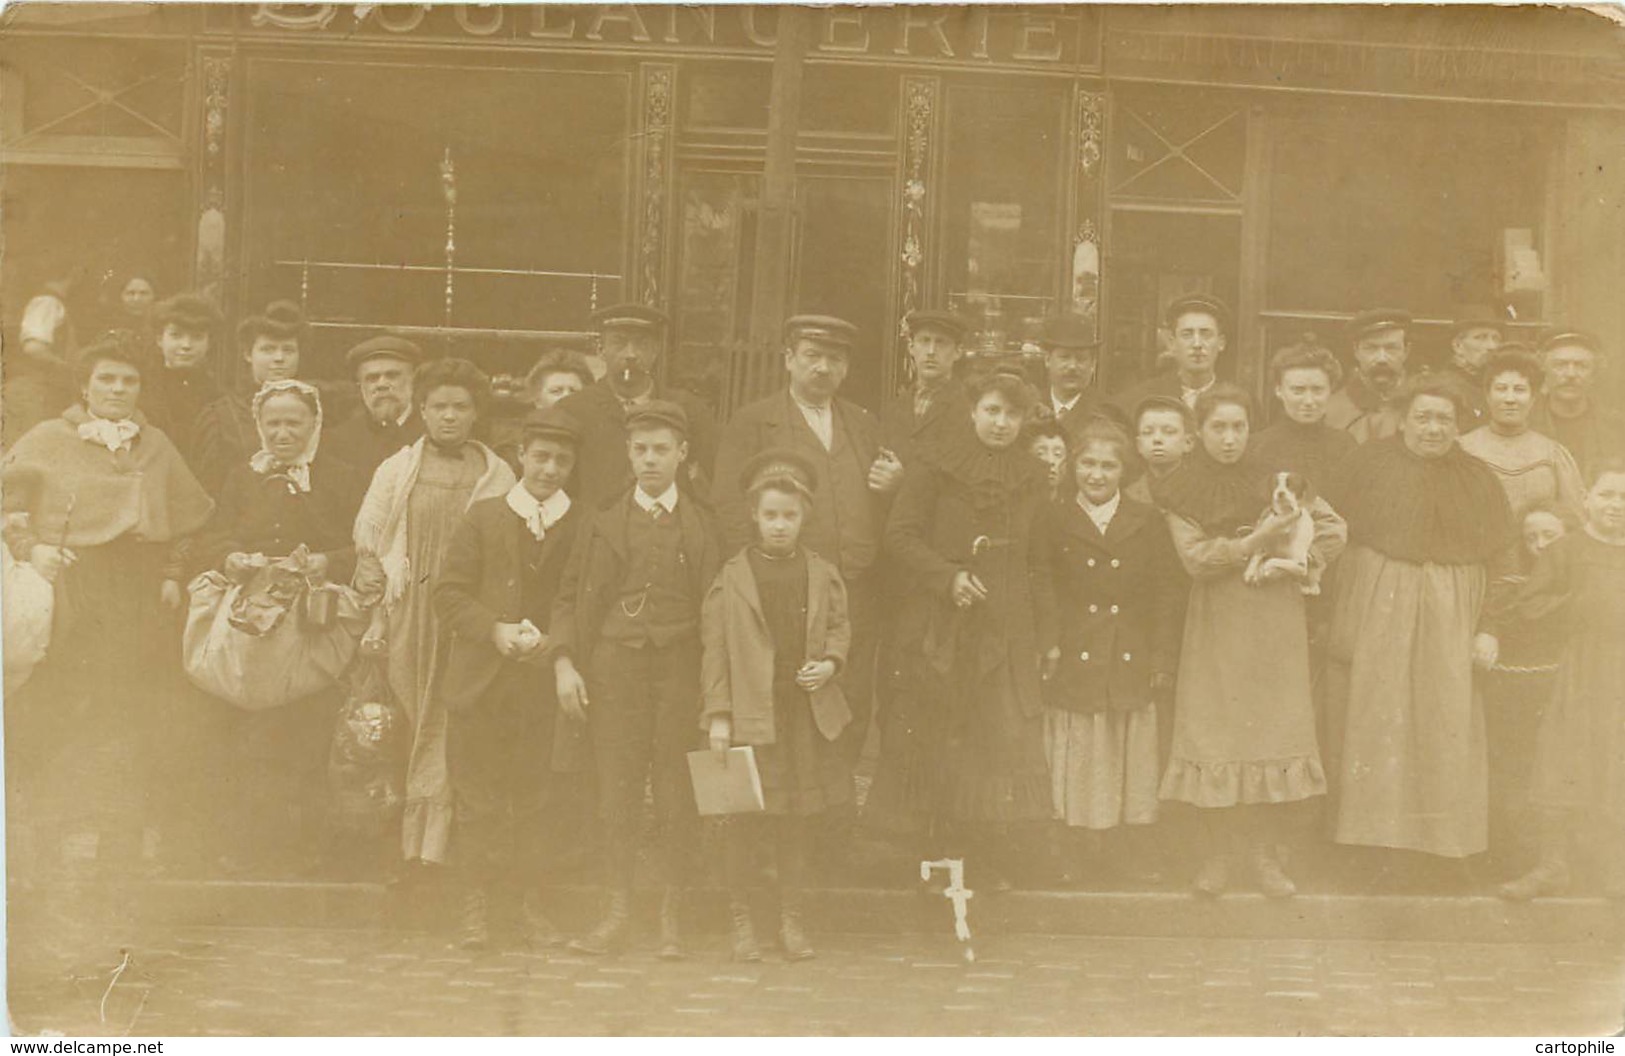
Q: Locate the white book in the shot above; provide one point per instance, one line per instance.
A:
(726, 784)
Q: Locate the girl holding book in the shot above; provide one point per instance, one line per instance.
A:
(776, 635)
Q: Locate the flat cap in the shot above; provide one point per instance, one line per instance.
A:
(825, 328)
(1373, 319)
(935, 319)
(551, 422)
(1067, 331)
(1197, 302)
(1470, 316)
(384, 345)
(631, 317)
(779, 463)
(658, 414)
(1574, 338)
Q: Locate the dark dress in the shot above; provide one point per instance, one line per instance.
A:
(802, 771)
(1311, 451)
(964, 740)
(173, 399)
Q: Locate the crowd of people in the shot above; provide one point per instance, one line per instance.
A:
(1008, 610)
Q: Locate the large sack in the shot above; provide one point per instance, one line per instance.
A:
(272, 640)
(28, 600)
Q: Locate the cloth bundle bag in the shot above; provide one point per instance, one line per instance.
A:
(29, 601)
(366, 761)
(271, 640)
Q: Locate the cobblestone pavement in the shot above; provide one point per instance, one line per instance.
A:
(219, 981)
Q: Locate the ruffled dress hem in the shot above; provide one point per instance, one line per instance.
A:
(1230, 784)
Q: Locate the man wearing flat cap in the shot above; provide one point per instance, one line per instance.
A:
(1198, 325)
(856, 479)
(911, 420)
(1071, 357)
(1363, 406)
(1474, 338)
(626, 659)
(384, 423)
(1570, 407)
(494, 596)
(632, 339)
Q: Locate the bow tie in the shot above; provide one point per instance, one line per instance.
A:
(113, 435)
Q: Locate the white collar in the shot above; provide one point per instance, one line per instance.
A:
(539, 515)
(666, 500)
(113, 434)
(1102, 515)
(810, 408)
(1062, 408)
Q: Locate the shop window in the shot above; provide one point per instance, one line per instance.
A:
(1177, 148)
(1422, 212)
(1003, 244)
(351, 207)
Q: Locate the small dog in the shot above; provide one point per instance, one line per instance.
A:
(1289, 496)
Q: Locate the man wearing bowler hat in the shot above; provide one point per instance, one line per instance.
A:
(911, 421)
(1363, 406)
(384, 423)
(1198, 324)
(1071, 357)
(856, 478)
(632, 338)
(1474, 337)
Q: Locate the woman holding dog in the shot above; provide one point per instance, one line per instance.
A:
(1244, 724)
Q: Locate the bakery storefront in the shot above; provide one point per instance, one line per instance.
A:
(486, 175)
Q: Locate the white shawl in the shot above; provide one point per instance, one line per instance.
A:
(380, 527)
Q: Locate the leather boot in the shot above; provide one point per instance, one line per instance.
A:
(610, 934)
(671, 937)
(473, 932)
(537, 929)
(791, 937)
(744, 933)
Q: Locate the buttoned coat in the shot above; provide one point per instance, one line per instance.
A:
(481, 584)
(737, 671)
(1120, 600)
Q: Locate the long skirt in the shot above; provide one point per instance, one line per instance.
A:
(1103, 766)
(1413, 767)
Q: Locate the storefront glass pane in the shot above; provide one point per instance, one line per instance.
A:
(1003, 245)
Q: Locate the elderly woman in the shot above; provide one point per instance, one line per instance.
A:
(115, 500)
(1244, 742)
(1430, 534)
(417, 497)
(965, 751)
(291, 493)
(1305, 374)
(1532, 467)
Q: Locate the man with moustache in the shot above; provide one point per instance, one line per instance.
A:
(1474, 338)
(632, 338)
(854, 482)
(384, 423)
(1198, 323)
(1568, 409)
(1071, 354)
(1363, 405)
(911, 421)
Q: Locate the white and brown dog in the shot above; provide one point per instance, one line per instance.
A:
(1288, 497)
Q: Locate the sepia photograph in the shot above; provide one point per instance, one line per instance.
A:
(741, 520)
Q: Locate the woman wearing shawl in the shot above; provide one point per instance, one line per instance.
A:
(417, 498)
(115, 502)
(1432, 545)
(964, 749)
(289, 494)
(1244, 721)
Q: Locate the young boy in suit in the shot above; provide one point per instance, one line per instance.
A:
(495, 594)
(626, 653)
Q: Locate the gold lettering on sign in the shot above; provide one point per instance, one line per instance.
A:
(980, 19)
(625, 14)
(747, 17)
(400, 18)
(318, 18)
(482, 20)
(837, 20)
(1035, 31)
(930, 23)
(705, 16)
(541, 14)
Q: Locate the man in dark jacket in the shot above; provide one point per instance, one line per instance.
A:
(495, 596)
(1198, 325)
(384, 423)
(910, 420)
(628, 612)
(633, 338)
(855, 480)
(1071, 355)
(1364, 405)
